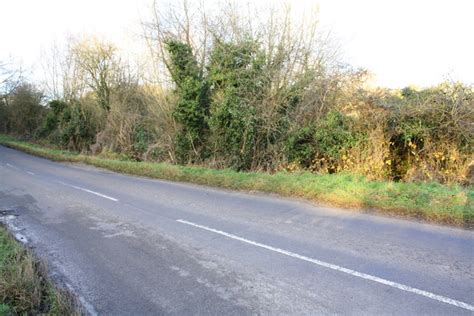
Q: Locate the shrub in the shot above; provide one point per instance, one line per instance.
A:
(142, 139)
(24, 110)
(301, 146)
(75, 128)
(51, 121)
(431, 133)
(334, 136)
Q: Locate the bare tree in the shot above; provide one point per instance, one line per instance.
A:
(10, 77)
(97, 64)
(184, 21)
(53, 64)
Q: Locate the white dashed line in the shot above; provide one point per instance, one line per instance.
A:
(331, 266)
(16, 168)
(89, 191)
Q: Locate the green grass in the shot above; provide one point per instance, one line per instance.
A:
(431, 202)
(25, 288)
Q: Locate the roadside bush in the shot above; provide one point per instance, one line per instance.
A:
(24, 111)
(301, 147)
(126, 112)
(431, 134)
(371, 156)
(237, 86)
(325, 145)
(50, 124)
(3, 116)
(75, 129)
(334, 136)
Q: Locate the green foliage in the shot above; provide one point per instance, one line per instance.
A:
(425, 123)
(334, 135)
(4, 116)
(184, 64)
(51, 122)
(57, 107)
(5, 310)
(23, 111)
(252, 102)
(192, 107)
(25, 288)
(301, 147)
(49, 125)
(440, 112)
(75, 130)
(237, 85)
(328, 138)
(142, 139)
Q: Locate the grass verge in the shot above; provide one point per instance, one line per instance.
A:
(25, 288)
(431, 202)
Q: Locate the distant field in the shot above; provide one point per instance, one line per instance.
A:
(430, 202)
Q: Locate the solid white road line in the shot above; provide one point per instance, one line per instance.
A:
(30, 173)
(89, 191)
(331, 266)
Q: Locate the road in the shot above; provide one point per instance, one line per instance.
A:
(136, 246)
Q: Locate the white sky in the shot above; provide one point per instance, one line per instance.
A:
(402, 42)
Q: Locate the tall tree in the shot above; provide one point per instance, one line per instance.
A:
(99, 66)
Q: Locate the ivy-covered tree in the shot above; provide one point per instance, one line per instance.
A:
(192, 107)
(237, 80)
(51, 122)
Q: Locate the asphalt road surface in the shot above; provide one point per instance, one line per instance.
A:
(135, 246)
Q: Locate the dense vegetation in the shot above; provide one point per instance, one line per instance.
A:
(247, 94)
(25, 288)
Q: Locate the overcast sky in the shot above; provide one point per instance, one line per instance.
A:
(402, 42)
